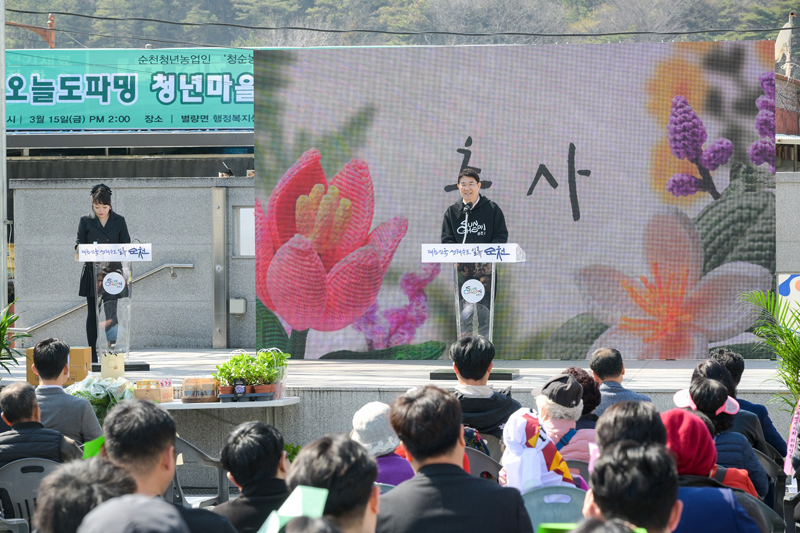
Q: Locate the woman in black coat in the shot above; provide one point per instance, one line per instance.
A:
(101, 226)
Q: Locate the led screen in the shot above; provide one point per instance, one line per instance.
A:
(637, 178)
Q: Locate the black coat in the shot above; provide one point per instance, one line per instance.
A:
(91, 231)
(486, 223)
(442, 498)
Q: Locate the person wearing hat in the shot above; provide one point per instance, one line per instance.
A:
(373, 430)
(710, 397)
(708, 505)
(560, 405)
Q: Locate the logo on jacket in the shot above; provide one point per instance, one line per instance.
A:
(473, 227)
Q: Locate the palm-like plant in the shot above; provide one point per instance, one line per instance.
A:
(8, 355)
(778, 327)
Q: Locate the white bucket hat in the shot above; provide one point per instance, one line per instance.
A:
(372, 429)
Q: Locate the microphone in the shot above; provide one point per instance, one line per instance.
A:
(468, 207)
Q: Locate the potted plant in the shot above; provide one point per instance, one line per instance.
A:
(8, 354)
(778, 327)
(236, 371)
(269, 370)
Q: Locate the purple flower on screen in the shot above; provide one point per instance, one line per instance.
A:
(767, 81)
(763, 151)
(398, 326)
(717, 154)
(683, 185)
(765, 103)
(765, 124)
(686, 133)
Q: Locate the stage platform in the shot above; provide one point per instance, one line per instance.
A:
(331, 392)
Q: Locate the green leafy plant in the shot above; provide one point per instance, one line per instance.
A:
(239, 367)
(291, 450)
(778, 327)
(270, 366)
(8, 354)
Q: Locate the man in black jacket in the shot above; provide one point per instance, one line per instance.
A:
(27, 437)
(474, 219)
(482, 408)
(442, 496)
(474, 215)
(140, 437)
(256, 463)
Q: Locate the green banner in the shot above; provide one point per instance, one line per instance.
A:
(94, 89)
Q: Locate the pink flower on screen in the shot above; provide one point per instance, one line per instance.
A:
(318, 266)
(671, 312)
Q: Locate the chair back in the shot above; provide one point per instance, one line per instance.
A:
(770, 518)
(385, 487)
(20, 480)
(554, 505)
(778, 476)
(579, 467)
(495, 445)
(194, 455)
(481, 465)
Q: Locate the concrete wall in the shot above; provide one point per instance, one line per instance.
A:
(787, 235)
(174, 214)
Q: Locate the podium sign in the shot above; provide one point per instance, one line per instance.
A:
(484, 253)
(474, 273)
(112, 290)
(115, 252)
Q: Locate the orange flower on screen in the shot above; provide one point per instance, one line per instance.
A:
(680, 74)
(673, 311)
(664, 165)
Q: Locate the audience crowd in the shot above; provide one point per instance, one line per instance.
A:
(412, 466)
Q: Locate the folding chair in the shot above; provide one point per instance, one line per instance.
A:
(581, 466)
(553, 505)
(192, 454)
(778, 477)
(385, 487)
(495, 445)
(20, 480)
(481, 465)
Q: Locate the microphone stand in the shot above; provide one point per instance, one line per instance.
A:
(467, 209)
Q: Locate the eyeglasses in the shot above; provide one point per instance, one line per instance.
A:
(467, 184)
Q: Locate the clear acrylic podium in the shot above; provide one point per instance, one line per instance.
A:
(474, 276)
(113, 277)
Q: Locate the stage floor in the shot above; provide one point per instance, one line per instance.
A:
(644, 376)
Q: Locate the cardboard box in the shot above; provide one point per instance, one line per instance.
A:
(80, 362)
(160, 395)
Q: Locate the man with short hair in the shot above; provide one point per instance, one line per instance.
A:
(482, 407)
(347, 470)
(27, 437)
(68, 414)
(256, 463)
(635, 483)
(608, 370)
(67, 495)
(735, 365)
(140, 437)
(442, 496)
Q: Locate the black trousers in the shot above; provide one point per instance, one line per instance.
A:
(91, 325)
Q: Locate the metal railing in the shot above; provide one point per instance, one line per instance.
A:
(170, 266)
